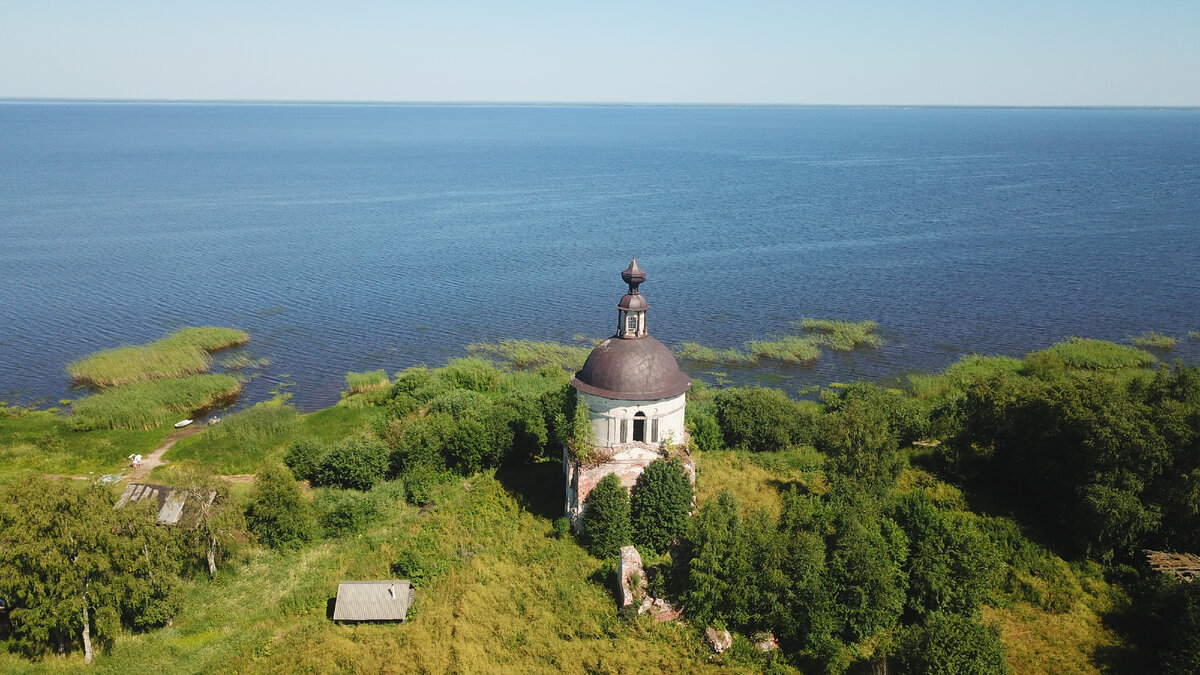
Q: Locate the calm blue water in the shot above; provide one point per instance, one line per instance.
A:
(359, 237)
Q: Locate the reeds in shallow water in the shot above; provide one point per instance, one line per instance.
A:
(361, 383)
(184, 352)
(146, 405)
(1154, 340)
(1092, 354)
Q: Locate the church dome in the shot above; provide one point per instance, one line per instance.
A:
(632, 365)
(640, 369)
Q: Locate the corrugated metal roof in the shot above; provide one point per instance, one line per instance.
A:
(373, 600)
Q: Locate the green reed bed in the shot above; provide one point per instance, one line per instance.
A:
(842, 336)
(146, 405)
(243, 441)
(1194, 334)
(1092, 354)
(966, 369)
(531, 354)
(184, 352)
(361, 383)
(693, 351)
(1153, 340)
(789, 349)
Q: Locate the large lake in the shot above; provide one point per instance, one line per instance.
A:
(349, 237)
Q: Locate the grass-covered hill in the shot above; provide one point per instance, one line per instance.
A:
(989, 518)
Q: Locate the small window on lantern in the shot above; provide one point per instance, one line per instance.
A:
(631, 322)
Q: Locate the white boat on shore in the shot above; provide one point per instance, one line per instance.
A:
(182, 423)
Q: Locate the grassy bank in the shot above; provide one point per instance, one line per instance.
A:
(146, 405)
(40, 442)
(187, 351)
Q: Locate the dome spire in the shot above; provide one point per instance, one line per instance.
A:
(631, 311)
(634, 276)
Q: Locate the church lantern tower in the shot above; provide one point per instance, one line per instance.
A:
(634, 393)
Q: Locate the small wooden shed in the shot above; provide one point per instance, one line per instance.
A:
(373, 600)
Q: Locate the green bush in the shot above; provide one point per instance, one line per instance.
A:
(278, 514)
(660, 504)
(762, 420)
(951, 644)
(471, 374)
(606, 526)
(702, 425)
(357, 463)
(304, 455)
(346, 512)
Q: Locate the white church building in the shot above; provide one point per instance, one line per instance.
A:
(635, 397)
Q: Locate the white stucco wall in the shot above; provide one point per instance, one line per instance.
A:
(606, 415)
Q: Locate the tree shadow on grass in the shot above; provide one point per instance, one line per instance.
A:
(538, 488)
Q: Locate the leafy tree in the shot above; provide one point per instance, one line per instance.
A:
(951, 644)
(703, 426)
(660, 504)
(345, 512)
(719, 567)
(951, 566)
(278, 514)
(761, 419)
(211, 523)
(357, 463)
(865, 553)
(606, 518)
(74, 568)
(858, 438)
(304, 455)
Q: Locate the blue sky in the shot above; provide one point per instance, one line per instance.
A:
(886, 53)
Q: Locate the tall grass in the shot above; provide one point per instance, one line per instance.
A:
(1194, 334)
(959, 373)
(789, 349)
(1153, 340)
(243, 441)
(41, 442)
(1091, 354)
(693, 351)
(531, 354)
(361, 383)
(184, 352)
(842, 336)
(146, 405)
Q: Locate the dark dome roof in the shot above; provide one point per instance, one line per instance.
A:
(641, 369)
(633, 303)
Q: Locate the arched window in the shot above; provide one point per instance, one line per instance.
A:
(639, 427)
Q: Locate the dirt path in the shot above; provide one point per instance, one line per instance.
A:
(139, 473)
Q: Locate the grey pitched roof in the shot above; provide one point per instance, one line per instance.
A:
(373, 600)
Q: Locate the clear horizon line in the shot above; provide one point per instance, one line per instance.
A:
(569, 104)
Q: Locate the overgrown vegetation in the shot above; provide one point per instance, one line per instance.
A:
(843, 336)
(361, 383)
(793, 349)
(187, 351)
(1090, 354)
(993, 515)
(532, 354)
(1153, 340)
(152, 403)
